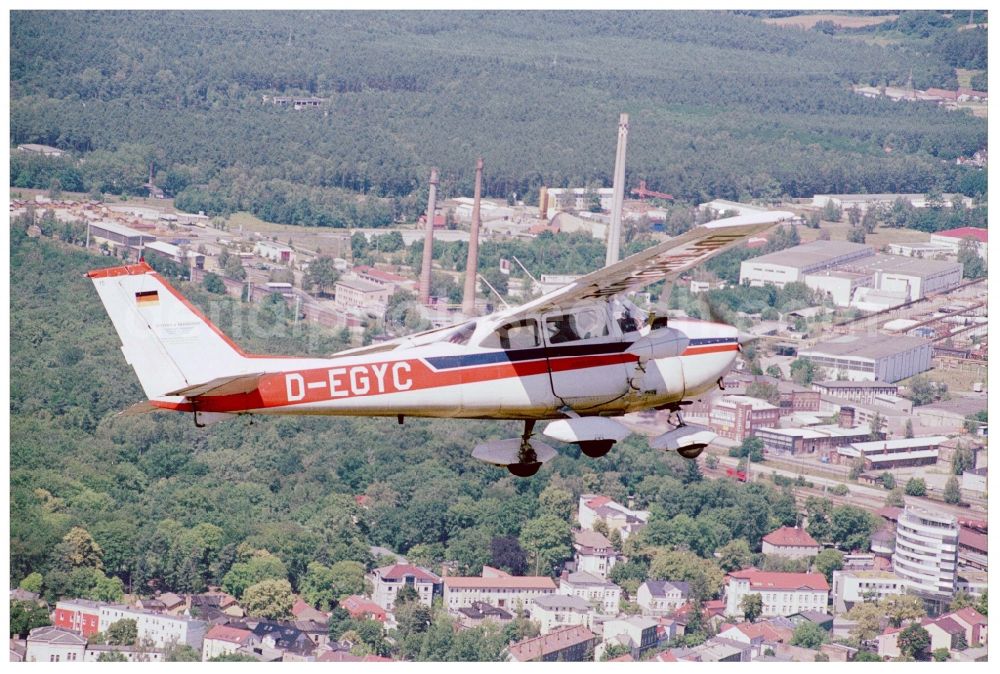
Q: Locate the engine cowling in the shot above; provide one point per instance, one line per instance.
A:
(662, 343)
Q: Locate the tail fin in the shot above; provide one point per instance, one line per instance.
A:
(167, 341)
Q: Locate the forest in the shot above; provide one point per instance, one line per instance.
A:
(722, 105)
(102, 504)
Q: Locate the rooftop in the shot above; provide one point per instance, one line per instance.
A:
(813, 253)
(227, 633)
(965, 232)
(399, 572)
(900, 264)
(360, 284)
(782, 581)
(659, 588)
(56, 635)
(899, 443)
(554, 602)
(557, 640)
(585, 578)
(791, 536)
(591, 539)
(854, 384)
(121, 230)
(503, 583)
(865, 346)
(755, 403)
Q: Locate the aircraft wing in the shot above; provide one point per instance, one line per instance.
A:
(667, 260)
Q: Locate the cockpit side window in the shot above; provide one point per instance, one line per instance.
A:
(521, 334)
(586, 324)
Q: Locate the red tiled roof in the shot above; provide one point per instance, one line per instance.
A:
(598, 501)
(507, 583)
(356, 606)
(977, 233)
(778, 580)
(791, 537)
(764, 630)
(949, 625)
(230, 634)
(398, 572)
(890, 513)
(970, 615)
(557, 640)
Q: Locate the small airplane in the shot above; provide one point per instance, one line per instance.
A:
(577, 356)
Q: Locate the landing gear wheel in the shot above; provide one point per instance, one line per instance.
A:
(596, 448)
(524, 469)
(691, 451)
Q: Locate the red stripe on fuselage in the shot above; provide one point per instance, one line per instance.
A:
(711, 348)
(282, 389)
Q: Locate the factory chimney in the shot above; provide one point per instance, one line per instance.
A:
(472, 265)
(425, 268)
(615, 229)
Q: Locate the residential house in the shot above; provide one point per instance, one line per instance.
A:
(637, 632)
(93, 653)
(78, 615)
(617, 517)
(174, 604)
(662, 597)
(223, 640)
(475, 615)
(759, 636)
(362, 608)
(506, 592)
(389, 580)
(600, 593)
(294, 644)
(594, 552)
(716, 649)
(781, 593)
(975, 625)
(160, 629)
(568, 644)
(303, 611)
(824, 620)
(944, 631)
(54, 644)
(553, 611)
(790, 542)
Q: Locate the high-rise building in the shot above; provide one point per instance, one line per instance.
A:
(927, 551)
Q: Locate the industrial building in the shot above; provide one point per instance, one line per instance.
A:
(927, 551)
(917, 278)
(737, 417)
(856, 391)
(274, 251)
(952, 238)
(119, 236)
(794, 264)
(818, 440)
(871, 357)
(865, 201)
(358, 294)
(189, 258)
(897, 453)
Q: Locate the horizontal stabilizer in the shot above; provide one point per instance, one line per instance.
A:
(145, 407)
(221, 386)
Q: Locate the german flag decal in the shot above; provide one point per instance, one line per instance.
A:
(147, 298)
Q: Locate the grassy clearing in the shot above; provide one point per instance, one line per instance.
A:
(807, 21)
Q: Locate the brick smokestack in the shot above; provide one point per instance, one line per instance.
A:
(472, 264)
(846, 417)
(425, 268)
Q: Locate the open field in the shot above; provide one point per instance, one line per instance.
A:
(807, 21)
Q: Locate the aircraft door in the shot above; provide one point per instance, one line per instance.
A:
(586, 357)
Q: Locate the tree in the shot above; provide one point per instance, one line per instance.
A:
(174, 652)
(895, 498)
(866, 656)
(692, 472)
(556, 501)
(961, 600)
(261, 565)
(868, 616)
(916, 486)
(941, 654)
(765, 391)
(908, 428)
(856, 234)
(506, 553)
(32, 583)
(828, 561)
(900, 608)
(803, 371)
(547, 539)
(952, 492)
(78, 549)
(613, 651)
(112, 656)
(213, 283)
(233, 268)
(322, 275)
(233, 657)
(962, 461)
(983, 606)
(26, 616)
(123, 632)
(735, 555)
(876, 427)
(888, 481)
(913, 642)
(809, 635)
(704, 575)
(752, 606)
(271, 599)
(923, 391)
(973, 265)
(851, 527)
